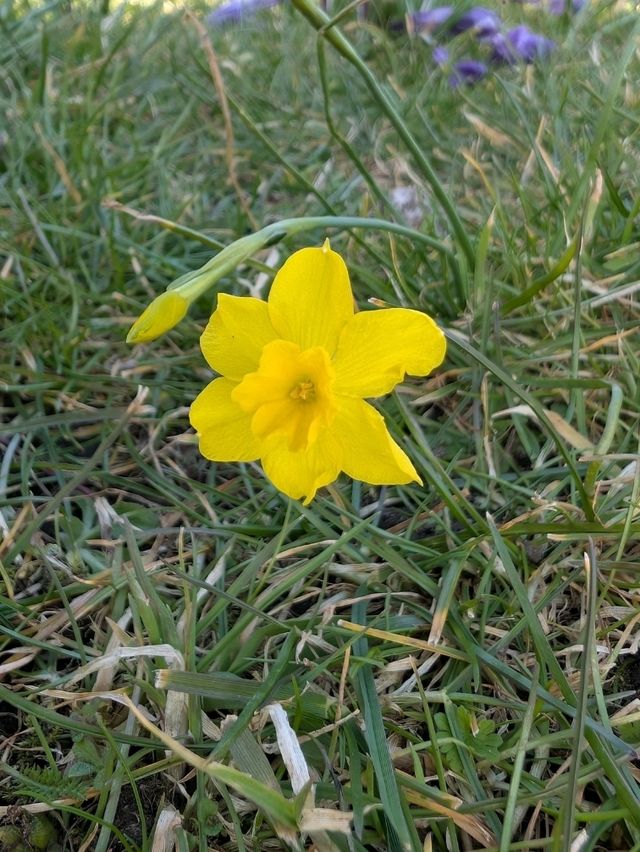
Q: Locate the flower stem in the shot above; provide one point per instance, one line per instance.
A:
(323, 24)
(197, 281)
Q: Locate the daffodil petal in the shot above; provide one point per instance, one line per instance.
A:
(238, 330)
(310, 300)
(274, 417)
(377, 348)
(300, 474)
(369, 453)
(223, 428)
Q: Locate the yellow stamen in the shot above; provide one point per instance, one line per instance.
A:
(304, 390)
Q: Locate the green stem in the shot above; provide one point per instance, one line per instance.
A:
(323, 25)
(341, 140)
(229, 258)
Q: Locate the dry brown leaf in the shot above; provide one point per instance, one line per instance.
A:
(496, 137)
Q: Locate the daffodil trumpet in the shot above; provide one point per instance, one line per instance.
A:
(167, 309)
(295, 373)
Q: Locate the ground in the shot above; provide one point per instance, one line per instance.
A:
(456, 661)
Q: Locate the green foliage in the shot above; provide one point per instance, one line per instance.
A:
(48, 784)
(479, 737)
(27, 832)
(488, 708)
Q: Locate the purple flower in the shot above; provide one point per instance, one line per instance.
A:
(484, 22)
(430, 20)
(528, 45)
(502, 49)
(467, 71)
(440, 56)
(559, 7)
(236, 10)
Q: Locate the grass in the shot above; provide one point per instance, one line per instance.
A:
(458, 663)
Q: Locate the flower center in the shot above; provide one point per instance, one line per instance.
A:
(290, 393)
(304, 390)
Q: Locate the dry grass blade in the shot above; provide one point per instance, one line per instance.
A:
(471, 825)
(279, 809)
(154, 604)
(218, 82)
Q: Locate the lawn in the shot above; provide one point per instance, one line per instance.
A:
(190, 658)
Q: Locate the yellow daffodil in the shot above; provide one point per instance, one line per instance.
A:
(295, 372)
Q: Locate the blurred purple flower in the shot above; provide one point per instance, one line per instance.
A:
(502, 49)
(484, 22)
(440, 56)
(528, 45)
(467, 71)
(236, 10)
(430, 20)
(559, 7)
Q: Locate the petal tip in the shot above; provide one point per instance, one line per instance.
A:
(160, 316)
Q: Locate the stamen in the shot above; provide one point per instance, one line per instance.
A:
(304, 390)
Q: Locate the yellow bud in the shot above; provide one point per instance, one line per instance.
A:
(160, 316)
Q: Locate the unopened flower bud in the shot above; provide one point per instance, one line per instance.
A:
(160, 316)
